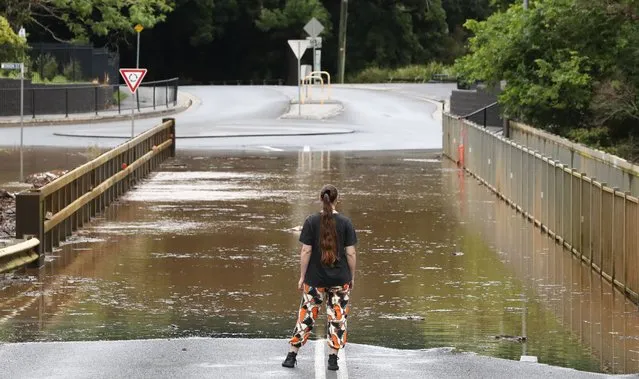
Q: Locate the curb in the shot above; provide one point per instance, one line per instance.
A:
(290, 115)
(100, 119)
(327, 133)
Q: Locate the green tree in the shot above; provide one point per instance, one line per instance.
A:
(457, 12)
(78, 20)
(284, 20)
(292, 15)
(567, 64)
(12, 47)
(392, 34)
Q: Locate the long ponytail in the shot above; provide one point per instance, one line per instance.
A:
(328, 231)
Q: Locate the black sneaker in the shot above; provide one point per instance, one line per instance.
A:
(290, 360)
(332, 362)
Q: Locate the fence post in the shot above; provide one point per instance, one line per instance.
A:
(506, 127)
(175, 93)
(172, 120)
(485, 111)
(33, 102)
(600, 232)
(95, 90)
(30, 221)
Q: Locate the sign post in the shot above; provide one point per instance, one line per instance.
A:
(314, 28)
(133, 78)
(298, 46)
(138, 30)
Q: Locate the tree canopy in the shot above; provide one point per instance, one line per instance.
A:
(228, 41)
(12, 47)
(79, 20)
(570, 65)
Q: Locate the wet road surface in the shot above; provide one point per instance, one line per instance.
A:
(208, 248)
(256, 358)
(392, 118)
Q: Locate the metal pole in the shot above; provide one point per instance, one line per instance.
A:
(299, 73)
(137, 99)
(314, 42)
(525, 4)
(137, 59)
(21, 122)
(341, 53)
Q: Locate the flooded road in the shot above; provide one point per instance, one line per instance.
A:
(208, 247)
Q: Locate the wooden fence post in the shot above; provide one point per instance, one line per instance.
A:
(30, 221)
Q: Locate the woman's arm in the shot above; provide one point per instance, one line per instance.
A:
(305, 257)
(351, 257)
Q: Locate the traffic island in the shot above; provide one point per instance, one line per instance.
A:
(314, 110)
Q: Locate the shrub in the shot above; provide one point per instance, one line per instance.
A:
(73, 70)
(59, 79)
(36, 78)
(46, 66)
(371, 75)
(423, 73)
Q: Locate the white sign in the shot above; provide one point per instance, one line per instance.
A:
(313, 28)
(298, 46)
(315, 43)
(10, 66)
(133, 77)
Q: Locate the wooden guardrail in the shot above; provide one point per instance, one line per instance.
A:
(52, 213)
(18, 254)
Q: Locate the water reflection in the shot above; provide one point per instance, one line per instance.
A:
(211, 250)
(583, 306)
(37, 159)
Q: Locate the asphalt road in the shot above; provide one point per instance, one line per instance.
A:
(253, 358)
(380, 117)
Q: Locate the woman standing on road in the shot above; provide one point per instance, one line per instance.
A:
(327, 273)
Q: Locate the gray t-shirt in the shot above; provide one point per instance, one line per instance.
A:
(317, 273)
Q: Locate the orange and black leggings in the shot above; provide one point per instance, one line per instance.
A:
(337, 309)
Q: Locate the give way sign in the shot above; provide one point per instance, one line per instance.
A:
(133, 77)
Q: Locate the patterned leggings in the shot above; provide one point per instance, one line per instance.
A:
(337, 309)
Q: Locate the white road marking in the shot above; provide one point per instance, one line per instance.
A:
(343, 370)
(269, 148)
(320, 368)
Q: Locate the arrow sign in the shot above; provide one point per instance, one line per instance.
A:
(133, 77)
(313, 28)
(298, 46)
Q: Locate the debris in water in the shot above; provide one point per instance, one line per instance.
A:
(511, 338)
(408, 317)
(41, 179)
(457, 253)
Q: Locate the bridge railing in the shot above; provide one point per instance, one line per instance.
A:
(607, 167)
(594, 221)
(53, 212)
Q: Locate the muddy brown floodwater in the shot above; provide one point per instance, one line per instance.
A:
(208, 247)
